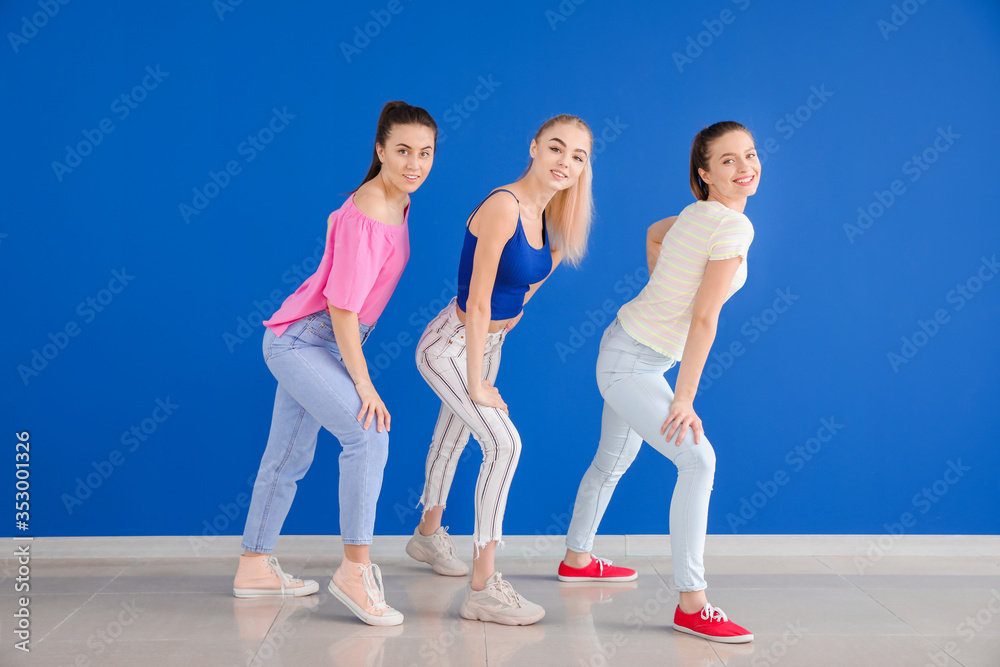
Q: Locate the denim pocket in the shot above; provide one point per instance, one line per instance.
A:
(320, 328)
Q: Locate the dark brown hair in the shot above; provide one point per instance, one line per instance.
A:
(700, 149)
(395, 113)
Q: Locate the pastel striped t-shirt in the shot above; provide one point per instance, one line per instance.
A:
(660, 316)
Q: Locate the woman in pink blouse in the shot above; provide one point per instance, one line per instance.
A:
(312, 345)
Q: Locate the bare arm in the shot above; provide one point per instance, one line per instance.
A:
(495, 223)
(704, 322)
(345, 330)
(654, 239)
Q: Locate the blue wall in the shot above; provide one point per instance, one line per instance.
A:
(842, 413)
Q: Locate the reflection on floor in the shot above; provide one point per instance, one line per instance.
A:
(805, 611)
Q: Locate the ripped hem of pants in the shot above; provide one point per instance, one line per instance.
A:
(479, 544)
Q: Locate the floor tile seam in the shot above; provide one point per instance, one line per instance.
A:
(92, 596)
(486, 648)
(941, 648)
(253, 660)
(712, 646)
(918, 633)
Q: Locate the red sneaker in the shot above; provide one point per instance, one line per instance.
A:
(600, 569)
(711, 623)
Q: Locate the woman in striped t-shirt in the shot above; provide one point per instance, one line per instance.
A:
(697, 261)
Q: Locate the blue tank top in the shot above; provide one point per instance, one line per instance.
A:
(520, 266)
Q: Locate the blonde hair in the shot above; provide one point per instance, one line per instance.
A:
(570, 212)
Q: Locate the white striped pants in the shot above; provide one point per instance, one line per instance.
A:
(441, 360)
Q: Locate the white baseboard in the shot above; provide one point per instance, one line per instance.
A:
(523, 546)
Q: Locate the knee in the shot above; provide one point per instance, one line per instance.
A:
(698, 460)
(605, 477)
(375, 442)
(508, 447)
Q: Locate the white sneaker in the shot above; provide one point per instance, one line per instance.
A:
(499, 603)
(438, 550)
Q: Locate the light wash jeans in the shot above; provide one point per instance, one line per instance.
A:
(637, 400)
(314, 390)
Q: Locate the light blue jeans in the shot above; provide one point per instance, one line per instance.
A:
(314, 390)
(637, 400)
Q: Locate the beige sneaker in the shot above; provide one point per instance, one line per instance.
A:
(499, 603)
(438, 550)
(359, 587)
(261, 575)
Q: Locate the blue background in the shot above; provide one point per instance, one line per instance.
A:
(886, 95)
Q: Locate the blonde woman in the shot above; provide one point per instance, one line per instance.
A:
(513, 241)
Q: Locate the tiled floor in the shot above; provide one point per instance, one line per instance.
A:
(806, 611)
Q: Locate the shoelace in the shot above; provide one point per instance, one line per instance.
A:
(601, 562)
(710, 613)
(283, 577)
(507, 593)
(371, 578)
(443, 544)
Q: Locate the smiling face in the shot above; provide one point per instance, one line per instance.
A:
(407, 156)
(733, 168)
(560, 155)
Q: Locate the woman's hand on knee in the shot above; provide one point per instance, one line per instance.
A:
(372, 407)
(682, 416)
(487, 395)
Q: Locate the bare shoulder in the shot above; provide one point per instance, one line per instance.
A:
(497, 217)
(371, 201)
